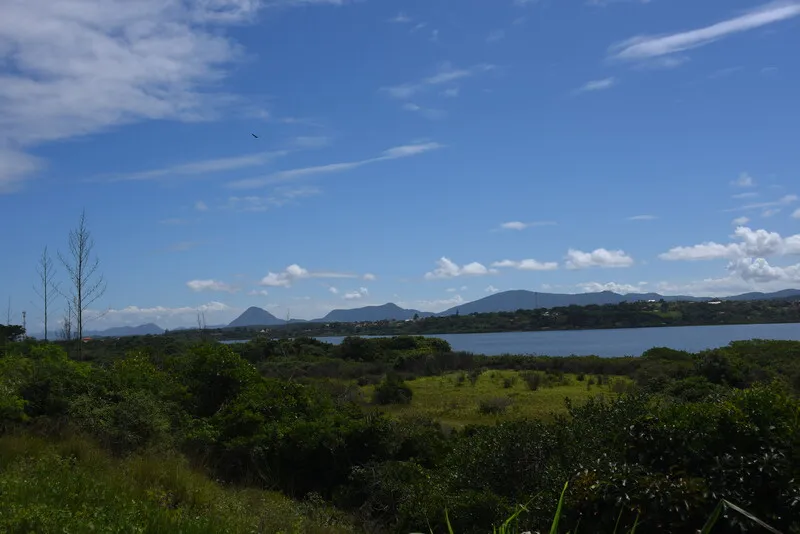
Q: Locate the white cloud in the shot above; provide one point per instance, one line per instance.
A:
(491, 289)
(165, 317)
(758, 270)
(518, 225)
(210, 285)
(600, 257)
(796, 213)
(527, 265)
(294, 273)
(744, 180)
(357, 295)
(400, 18)
(428, 113)
(495, 36)
(597, 85)
(197, 168)
(433, 305)
(200, 206)
(81, 67)
(280, 196)
(456, 289)
(753, 243)
(398, 152)
(369, 277)
(333, 290)
(783, 201)
(596, 287)
(746, 194)
(643, 218)
(258, 293)
(740, 221)
(446, 74)
(650, 46)
(770, 212)
(448, 269)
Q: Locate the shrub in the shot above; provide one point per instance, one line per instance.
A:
(495, 406)
(392, 391)
(509, 382)
(533, 379)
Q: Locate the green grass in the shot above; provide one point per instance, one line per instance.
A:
(72, 486)
(456, 403)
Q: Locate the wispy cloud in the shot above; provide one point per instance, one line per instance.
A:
(400, 18)
(519, 225)
(428, 113)
(783, 201)
(294, 272)
(597, 85)
(643, 218)
(196, 168)
(446, 74)
(744, 180)
(527, 265)
(649, 46)
(748, 194)
(293, 174)
(280, 196)
(83, 67)
(495, 36)
(210, 285)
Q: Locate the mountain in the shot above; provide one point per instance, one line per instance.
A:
(388, 311)
(148, 329)
(253, 316)
(514, 300)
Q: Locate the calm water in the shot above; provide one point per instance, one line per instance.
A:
(622, 342)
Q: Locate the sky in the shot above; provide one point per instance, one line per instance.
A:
(307, 155)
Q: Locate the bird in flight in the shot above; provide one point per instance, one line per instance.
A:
(254, 135)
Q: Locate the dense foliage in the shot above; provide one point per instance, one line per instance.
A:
(286, 415)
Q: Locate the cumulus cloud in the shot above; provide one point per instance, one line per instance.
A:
(294, 272)
(448, 269)
(491, 289)
(577, 259)
(752, 243)
(740, 221)
(596, 287)
(527, 265)
(357, 295)
(333, 290)
(369, 277)
(80, 67)
(210, 285)
(758, 270)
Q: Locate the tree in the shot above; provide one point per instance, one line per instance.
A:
(86, 284)
(47, 288)
(66, 325)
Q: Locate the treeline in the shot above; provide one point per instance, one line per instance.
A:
(623, 315)
(720, 424)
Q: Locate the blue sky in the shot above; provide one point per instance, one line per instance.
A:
(422, 152)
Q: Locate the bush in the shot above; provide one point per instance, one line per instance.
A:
(533, 379)
(509, 382)
(392, 391)
(495, 406)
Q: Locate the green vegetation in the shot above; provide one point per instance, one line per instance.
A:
(395, 435)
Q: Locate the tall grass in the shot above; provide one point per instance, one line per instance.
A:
(72, 486)
(510, 525)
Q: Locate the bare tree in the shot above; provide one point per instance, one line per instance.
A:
(86, 284)
(47, 288)
(8, 312)
(66, 326)
(201, 324)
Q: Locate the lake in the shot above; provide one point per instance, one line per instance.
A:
(620, 342)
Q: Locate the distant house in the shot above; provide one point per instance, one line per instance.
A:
(86, 339)
(715, 302)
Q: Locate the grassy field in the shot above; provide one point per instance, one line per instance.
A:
(72, 486)
(454, 400)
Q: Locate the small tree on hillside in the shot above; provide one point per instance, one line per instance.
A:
(86, 283)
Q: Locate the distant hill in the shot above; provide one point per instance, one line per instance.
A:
(148, 329)
(528, 300)
(388, 311)
(256, 317)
